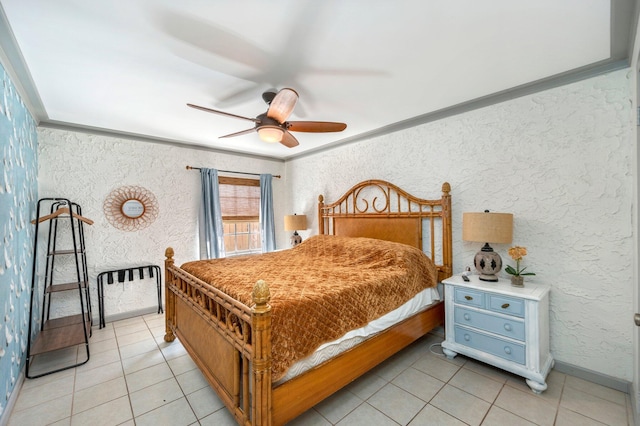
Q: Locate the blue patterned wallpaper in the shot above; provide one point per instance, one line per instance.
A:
(18, 199)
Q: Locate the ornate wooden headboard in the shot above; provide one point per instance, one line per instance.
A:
(380, 209)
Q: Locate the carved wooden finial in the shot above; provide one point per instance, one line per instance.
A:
(446, 188)
(168, 253)
(261, 293)
(320, 199)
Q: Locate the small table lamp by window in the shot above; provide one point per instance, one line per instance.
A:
(487, 228)
(294, 223)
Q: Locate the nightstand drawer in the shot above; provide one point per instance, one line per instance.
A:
(506, 305)
(485, 321)
(489, 344)
(465, 296)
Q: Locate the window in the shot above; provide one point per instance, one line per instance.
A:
(240, 205)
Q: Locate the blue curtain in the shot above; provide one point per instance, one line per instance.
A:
(267, 227)
(212, 232)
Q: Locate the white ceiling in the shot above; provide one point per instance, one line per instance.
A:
(130, 67)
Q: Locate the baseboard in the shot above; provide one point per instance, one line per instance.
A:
(595, 377)
(129, 314)
(4, 419)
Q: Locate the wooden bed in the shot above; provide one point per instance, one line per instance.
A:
(231, 342)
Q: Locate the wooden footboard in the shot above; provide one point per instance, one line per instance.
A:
(230, 342)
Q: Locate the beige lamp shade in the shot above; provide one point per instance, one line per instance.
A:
(295, 222)
(487, 227)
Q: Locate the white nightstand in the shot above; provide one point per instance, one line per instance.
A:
(501, 325)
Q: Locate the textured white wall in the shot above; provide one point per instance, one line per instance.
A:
(561, 162)
(86, 168)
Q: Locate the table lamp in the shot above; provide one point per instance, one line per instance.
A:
(487, 228)
(295, 222)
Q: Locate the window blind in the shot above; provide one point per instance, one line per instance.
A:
(240, 199)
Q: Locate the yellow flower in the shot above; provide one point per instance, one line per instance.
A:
(517, 252)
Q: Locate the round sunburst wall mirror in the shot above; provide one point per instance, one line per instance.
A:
(131, 208)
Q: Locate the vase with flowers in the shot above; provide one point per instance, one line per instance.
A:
(517, 274)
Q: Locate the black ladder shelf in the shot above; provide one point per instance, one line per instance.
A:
(65, 222)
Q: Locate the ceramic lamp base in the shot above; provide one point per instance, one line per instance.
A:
(295, 239)
(488, 263)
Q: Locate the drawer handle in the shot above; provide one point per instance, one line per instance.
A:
(505, 305)
(507, 327)
(467, 337)
(468, 297)
(507, 350)
(467, 317)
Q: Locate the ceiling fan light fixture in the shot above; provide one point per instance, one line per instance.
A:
(271, 134)
(272, 126)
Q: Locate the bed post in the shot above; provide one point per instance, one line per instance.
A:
(447, 244)
(169, 307)
(261, 361)
(320, 215)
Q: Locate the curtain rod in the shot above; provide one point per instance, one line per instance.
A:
(231, 171)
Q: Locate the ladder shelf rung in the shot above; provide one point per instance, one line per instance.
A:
(61, 252)
(65, 321)
(66, 286)
(53, 338)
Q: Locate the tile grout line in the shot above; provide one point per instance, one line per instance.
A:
(564, 383)
(173, 374)
(460, 367)
(124, 376)
(175, 377)
(491, 404)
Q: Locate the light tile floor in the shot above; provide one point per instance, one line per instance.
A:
(135, 378)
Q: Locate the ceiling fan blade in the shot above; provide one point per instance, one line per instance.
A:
(282, 105)
(289, 140)
(215, 111)
(212, 40)
(240, 133)
(315, 126)
(238, 96)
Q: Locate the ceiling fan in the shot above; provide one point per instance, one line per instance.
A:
(272, 126)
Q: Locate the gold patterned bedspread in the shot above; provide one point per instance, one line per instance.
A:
(323, 288)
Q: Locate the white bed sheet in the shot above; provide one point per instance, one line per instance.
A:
(350, 339)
